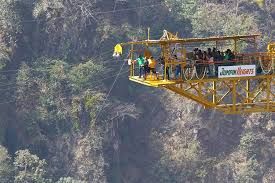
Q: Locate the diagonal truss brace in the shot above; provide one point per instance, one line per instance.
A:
(231, 95)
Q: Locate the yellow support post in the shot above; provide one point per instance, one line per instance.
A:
(166, 57)
(214, 92)
(235, 46)
(247, 90)
(164, 60)
(234, 96)
(184, 57)
(199, 89)
(132, 68)
(268, 92)
(148, 33)
(273, 62)
(255, 43)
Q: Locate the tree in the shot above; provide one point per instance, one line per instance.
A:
(212, 19)
(69, 180)
(82, 75)
(89, 162)
(252, 143)
(69, 26)
(180, 161)
(10, 20)
(6, 167)
(29, 168)
(251, 172)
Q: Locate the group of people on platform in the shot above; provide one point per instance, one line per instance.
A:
(211, 57)
(146, 65)
(213, 54)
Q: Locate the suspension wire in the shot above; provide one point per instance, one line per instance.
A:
(113, 64)
(139, 17)
(49, 68)
(71, 65)
(14, 85)
(129, 9)
(99, 111)
(108, 94)
(100, 12)
(97, 85)
(30, 80)
(94, 87)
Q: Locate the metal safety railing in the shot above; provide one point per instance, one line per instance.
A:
(201, 69)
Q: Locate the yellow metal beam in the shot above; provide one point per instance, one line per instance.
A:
(191, 40)
(230, 95)
(190, 96)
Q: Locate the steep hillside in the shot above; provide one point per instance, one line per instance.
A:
(68, 114)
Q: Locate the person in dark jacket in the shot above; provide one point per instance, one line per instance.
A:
(162, 62)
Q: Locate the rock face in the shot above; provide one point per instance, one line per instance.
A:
(211, 128)
(177, 124)
(270, 175)
(88, 162)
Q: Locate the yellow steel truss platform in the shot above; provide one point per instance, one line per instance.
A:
(229, 95)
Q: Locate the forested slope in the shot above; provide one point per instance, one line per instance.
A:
(67, 116)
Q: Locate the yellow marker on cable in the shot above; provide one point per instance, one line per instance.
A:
(117, 50)
(260, 2)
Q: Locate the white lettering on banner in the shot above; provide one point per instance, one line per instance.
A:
(236, 71)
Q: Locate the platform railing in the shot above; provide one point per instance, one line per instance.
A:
(201, 69)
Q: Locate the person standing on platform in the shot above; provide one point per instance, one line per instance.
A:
(141, 61)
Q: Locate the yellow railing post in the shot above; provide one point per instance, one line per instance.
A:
(214, 92)
(255, 43)
(148, 33)
(247, 90)
(235, 46)
(166, 59)
(273, 62)
(132, 68)
(234, 96)
(268, 91)
(184, 61)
